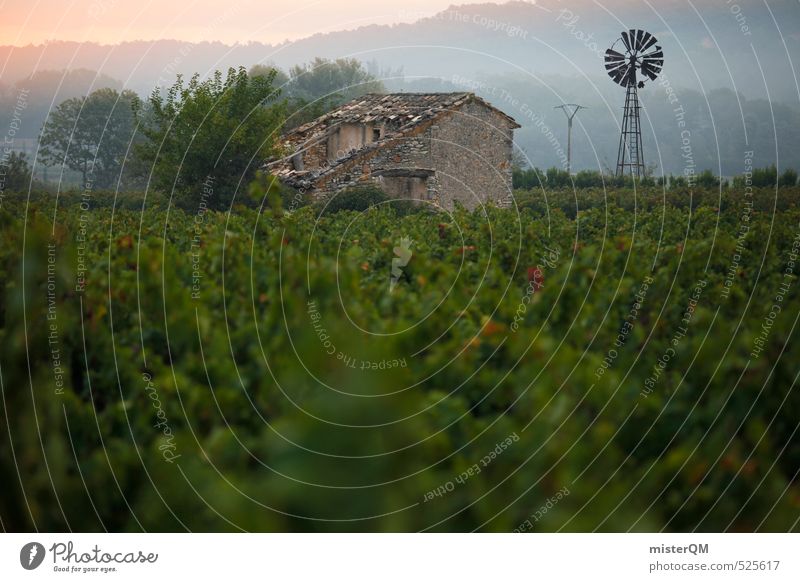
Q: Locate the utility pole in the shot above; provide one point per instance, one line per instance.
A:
(570, 110)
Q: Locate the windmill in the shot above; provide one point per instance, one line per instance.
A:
(639, 58)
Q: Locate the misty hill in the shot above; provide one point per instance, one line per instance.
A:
(718, 46)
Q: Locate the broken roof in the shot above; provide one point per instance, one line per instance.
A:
(398, 109)
(401, 111)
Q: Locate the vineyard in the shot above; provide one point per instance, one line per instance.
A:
(585, 360)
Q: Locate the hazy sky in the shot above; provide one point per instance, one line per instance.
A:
(110, 21)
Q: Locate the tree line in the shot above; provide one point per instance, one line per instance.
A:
(532, 178)
(216, 131)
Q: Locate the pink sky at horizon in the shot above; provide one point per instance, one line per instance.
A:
(111, 21)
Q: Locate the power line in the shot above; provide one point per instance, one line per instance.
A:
(570, 110)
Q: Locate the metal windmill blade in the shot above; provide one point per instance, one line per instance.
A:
(624, 76)
(613, 64)
(613, 56)
(650, 70)
(655, 57)
(652, 62)
(627, 41)
(643, 54)
(648, 41)
(639, 40)
(617, 65)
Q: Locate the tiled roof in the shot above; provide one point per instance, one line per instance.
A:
(401, 112)
(395, 108)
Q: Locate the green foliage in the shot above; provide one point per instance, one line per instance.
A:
(44, 88)
(91, 135)
(237, 366)
(317, 87)
(651, 199)
(280, 79)
(15, 173)
(361, 198)
(555, 178)
(706, 179)
(765, 176)
(358, 198)
(342, 80)
(527, 178)
(312, 89)
(788, 178)
(218, 131)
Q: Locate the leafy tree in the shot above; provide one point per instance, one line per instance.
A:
(557, 177)
(15, 173)
(91, 135)
(42, 89)
(341, 79)
(214, 131)
(678, 181)
(588, 178)
(528, 178)
(280, 79)
(314, 88)
(788, 178)
(707, 179)
(321, 85)
(765, 176)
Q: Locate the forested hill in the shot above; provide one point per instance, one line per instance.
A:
(719, 45)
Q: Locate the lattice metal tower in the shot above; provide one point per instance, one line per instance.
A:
(638, 55)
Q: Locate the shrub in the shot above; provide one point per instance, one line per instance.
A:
(788, 178)
(358, 198)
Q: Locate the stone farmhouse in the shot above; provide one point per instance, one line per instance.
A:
(437, 148)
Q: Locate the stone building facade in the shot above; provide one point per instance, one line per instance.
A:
(436, 148)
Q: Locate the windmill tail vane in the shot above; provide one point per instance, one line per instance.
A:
(634, 58)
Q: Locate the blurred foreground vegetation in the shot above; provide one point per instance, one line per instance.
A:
(164, 369)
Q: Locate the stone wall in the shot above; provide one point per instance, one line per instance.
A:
(471, 151)
(465, 156)
(411, 152)
(314, 150)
